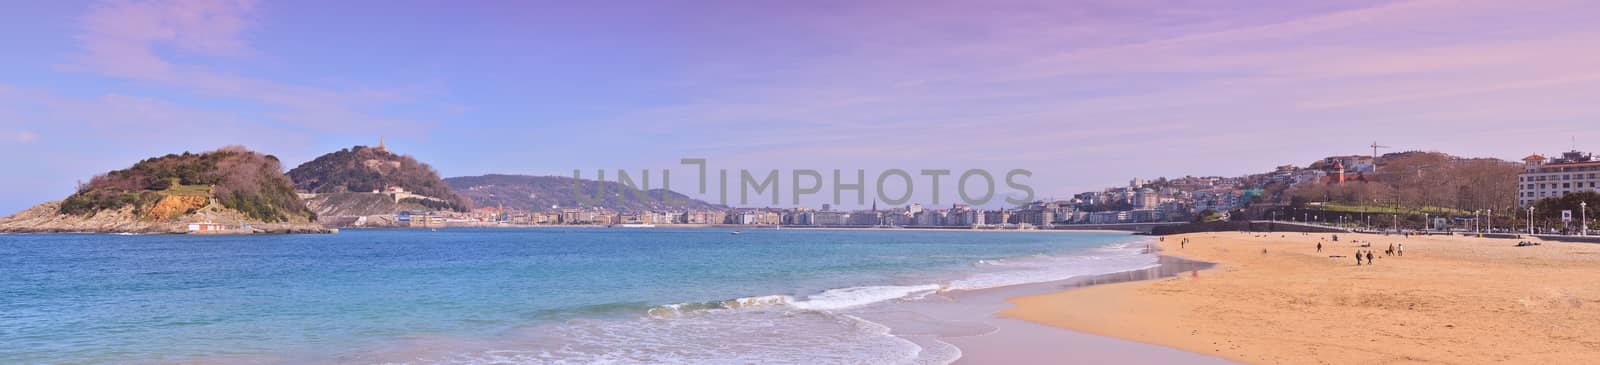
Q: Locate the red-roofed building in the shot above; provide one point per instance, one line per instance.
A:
(1548, 178)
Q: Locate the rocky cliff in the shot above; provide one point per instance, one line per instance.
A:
(47, 218)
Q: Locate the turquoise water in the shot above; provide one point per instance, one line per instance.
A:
(544, 295)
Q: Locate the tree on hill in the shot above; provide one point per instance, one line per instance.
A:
(364, 169)
(1424, 180)
(238, 178)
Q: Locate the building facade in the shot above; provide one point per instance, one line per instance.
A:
(1550, 178)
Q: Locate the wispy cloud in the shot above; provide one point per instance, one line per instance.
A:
(129, 39)
(1188, 71)
(25, 137)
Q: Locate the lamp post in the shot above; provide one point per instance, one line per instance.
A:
(1583, 210)
(1491, 220)
(1530, 221)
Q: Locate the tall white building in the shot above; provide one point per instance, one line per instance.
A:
(1546, 178)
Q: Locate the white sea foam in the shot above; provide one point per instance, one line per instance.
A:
(832, 299)
(679, 309)
(863, 295)
(1047, 268)
(757, 336)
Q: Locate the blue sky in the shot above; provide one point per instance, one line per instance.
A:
(1085, 94)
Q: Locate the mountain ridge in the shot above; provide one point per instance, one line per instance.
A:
(545, 193)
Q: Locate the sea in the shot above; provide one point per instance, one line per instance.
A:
(513, 295)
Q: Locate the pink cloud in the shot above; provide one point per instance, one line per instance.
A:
(26, 136)
(124, 39)
(120, 36)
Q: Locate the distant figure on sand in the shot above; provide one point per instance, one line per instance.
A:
(1319, 246)
(1369, 258)
(1401, 250)
(1358, 257)
(1183, 243)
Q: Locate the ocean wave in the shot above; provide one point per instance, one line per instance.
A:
(1040, 268)
(832, 299)
(729, 337)
(680, 309)
(862, 295)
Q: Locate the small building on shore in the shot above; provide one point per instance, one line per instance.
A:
(203, 227)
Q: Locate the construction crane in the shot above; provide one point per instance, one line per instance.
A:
(1375, 146)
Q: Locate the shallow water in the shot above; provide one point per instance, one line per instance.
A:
(510, 296)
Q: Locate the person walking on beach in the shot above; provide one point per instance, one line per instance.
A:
(1358, 257)
(1319, 246)
(1183, 243)
(1401, 250)
(1390, 251)
(1369, 258)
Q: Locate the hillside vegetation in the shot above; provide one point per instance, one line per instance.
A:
(1423, 182)
(362, 169)
(166, 187)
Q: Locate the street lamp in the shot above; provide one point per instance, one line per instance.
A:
(1530, 220)
(1583, 210)
(1475, 226)
(1491, 220)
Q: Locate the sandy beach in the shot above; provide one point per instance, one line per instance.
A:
(1273, 299)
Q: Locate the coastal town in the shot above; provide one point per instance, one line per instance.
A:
(1377, 193)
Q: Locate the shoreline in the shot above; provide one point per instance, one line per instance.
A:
(753, 227)
(969, 321)
(1014, 341)
(1449, 299)
(288, 230)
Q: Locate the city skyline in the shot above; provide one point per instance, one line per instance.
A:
(1084, 94)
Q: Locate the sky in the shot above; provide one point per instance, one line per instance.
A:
(1085, 94)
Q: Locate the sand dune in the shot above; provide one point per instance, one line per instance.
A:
(1448, 300)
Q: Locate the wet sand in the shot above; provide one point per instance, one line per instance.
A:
(1448, 300)
(968, 321)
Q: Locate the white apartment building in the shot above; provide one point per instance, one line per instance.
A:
(1544, 178)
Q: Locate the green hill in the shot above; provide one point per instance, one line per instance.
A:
(362, 169)
(165, 187)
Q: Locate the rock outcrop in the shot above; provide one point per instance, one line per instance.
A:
(47, 218)
(174, 206)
